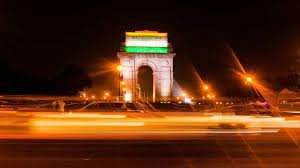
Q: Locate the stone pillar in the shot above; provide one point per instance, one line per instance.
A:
(164, 82)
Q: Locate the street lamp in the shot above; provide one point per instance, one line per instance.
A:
(205, 87)
(183, 94)
(253, 85)
(120, 68)
(249, 80)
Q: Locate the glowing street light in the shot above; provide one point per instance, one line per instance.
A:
(205, 87)
(119, 68)
(249, 79)
(122, 83)
(187, 100)
(106, 94)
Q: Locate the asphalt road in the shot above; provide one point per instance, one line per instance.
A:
(278, 150)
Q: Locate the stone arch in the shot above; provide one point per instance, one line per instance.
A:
(162, 67)
(148, 63)
(154, 68)
(145, 90)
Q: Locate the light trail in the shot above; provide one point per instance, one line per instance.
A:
(80, 115)
(7, 112)
(41, 123)
(95, 124)
(292, 112)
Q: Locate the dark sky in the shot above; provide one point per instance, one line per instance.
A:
(41, 37)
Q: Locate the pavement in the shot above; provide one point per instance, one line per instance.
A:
(165, 140)
(209, 151)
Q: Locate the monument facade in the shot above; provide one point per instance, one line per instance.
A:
(147, 48)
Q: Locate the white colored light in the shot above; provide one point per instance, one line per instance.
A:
(149, 43)
(187, 100)
(134, 41)
(128, 97)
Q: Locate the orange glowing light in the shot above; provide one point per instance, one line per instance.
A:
(146, 33)
(119, 68)
(40, 123)
(122, 83)
(249, 79)
(106, 94)
(82, 116)
(205, 87)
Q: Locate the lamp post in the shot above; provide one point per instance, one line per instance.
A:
(205, 87)
(119, 68)
(252, 83)
(249, 80)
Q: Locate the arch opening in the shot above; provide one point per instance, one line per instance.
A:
(145, 87)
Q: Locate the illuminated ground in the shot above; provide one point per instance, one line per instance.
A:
(43, 139)
(38, 125)
(210, 151)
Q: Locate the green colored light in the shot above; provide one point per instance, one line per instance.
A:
(146, 49)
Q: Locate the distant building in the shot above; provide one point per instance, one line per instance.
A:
(289, 100)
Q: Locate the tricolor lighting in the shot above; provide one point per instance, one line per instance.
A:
(146, 49)
(146, 42)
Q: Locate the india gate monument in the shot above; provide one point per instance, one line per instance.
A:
(151, 49)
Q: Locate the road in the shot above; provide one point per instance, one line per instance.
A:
(147, 140)
(43, 125)
(211, 151)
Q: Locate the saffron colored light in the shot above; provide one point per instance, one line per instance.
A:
(146, 33)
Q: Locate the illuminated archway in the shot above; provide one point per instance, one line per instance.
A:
(150, 50)
(145, 87)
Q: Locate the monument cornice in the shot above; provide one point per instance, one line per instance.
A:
(143, 55)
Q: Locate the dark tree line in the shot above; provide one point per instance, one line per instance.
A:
(72, 79)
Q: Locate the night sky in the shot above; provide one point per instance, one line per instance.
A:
(41, 37)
